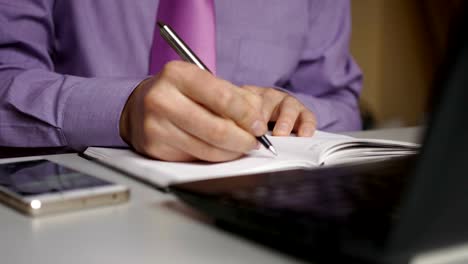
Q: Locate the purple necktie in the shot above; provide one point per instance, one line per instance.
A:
(194, 22)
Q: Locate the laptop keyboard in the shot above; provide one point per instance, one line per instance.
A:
(326, 196)
(336, 193)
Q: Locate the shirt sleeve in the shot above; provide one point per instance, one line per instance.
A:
(327, 79)
(40, 107)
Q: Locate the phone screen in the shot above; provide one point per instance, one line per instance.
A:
(33, 178)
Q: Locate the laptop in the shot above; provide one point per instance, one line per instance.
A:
(381, 212)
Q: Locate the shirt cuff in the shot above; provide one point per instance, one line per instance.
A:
(92, 112)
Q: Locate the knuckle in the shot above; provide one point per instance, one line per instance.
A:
(250, 88)
(269, 90)
(172, 71)
(246, 116)
(291, 100)
(254, 98)
(224, 97)
(167, 71)
(272, 93)
(159, 104)
(277, 92)
(274, 99)
(180, 71)
(171, 67)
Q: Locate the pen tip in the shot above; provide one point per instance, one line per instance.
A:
(273, 150)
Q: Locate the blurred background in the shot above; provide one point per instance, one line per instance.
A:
(399, 45)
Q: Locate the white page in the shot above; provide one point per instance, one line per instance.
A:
(293, 152)
(162, 173)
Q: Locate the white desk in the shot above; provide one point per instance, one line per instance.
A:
(151, 228)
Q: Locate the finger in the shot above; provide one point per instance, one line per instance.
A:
(271, 102)
(201, 149)
(261, 104)
(287, 115)
(167, 153)
(253, 89)
(219, 96)
(203, 124)
(178, 143)
(254, 99)
(306, 124)
(150, 142)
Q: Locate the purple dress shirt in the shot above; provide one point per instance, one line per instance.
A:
(68, 67)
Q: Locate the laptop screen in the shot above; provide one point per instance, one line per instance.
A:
(436, 211)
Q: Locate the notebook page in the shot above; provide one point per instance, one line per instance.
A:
(324, 146)
(163, 173)
(293, 152)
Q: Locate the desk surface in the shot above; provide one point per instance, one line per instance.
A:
(152, 228)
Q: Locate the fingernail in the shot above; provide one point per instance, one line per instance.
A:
(283, 128)
(257, 128)
(306, 132)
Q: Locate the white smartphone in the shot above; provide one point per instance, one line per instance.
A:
(42, 187)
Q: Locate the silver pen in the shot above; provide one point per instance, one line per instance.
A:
(184, 51)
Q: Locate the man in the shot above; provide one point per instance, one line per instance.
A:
(81, 73)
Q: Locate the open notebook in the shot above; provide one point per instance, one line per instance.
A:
(293, 152)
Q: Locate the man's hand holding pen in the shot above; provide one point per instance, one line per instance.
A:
(185, 113)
